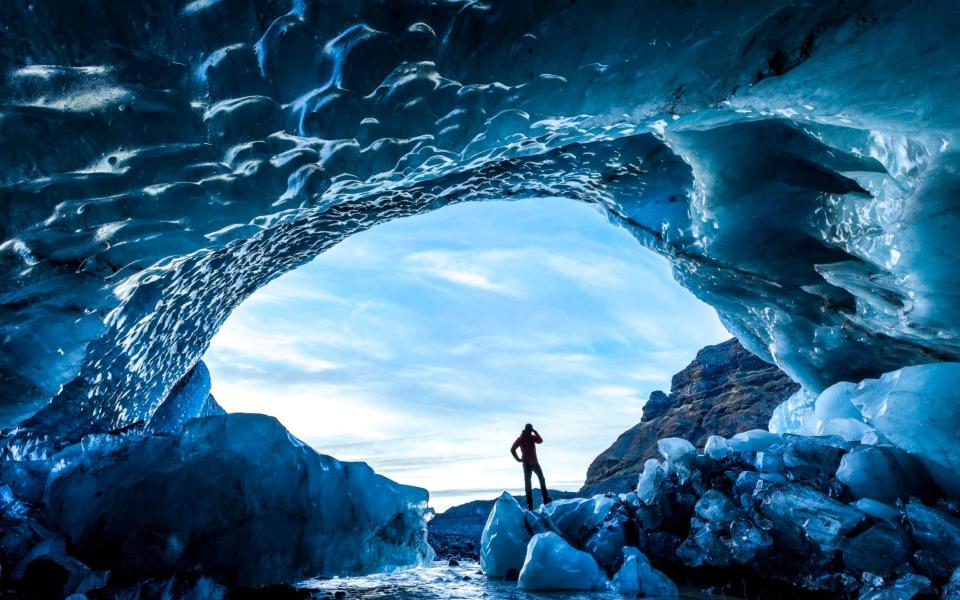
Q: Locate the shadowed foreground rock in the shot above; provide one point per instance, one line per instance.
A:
(725, 390)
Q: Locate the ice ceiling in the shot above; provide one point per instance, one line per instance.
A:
(795, 162)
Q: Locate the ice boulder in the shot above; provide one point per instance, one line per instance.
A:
(606, 544)
(755, 440)
(238, 497)
(877, 510)
(503, 543)
(650, 480)
(936, 533)
(678, 455)
(918, 409)
(553, 564)
(716, 508)
(884, 474)
(881, 549)
(800, 512)
(577, 519)
(716, 447)
(637, 576)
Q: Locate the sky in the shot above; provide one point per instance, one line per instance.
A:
(423, 346)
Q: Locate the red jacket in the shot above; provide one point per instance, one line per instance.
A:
(528, 447)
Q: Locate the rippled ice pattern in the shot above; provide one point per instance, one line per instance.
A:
(795, 162)
(449, 583)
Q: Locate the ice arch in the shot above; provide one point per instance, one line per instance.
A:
(795, 162)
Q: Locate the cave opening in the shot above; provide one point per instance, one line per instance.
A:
(422, 346)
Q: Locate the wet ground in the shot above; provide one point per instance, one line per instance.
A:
(443, 582)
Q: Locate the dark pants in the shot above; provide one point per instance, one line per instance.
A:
(529, 469)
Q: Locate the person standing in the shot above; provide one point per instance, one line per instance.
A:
(527, 444)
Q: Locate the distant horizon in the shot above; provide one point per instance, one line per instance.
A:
(423, 345)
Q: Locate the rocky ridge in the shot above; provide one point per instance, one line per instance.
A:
(723, 391)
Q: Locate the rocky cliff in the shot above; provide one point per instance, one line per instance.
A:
(726, 389)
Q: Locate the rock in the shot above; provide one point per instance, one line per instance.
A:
(125, 508)
(553, 564)
(725, 390)
(637, 576)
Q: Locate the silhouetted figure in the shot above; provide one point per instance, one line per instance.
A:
(527, 443)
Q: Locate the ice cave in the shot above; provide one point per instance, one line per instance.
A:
(160, 161)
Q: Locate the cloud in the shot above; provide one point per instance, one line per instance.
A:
(456, 267)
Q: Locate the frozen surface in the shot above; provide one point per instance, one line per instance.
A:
(916, 408)
(503, 543)
(189, 399)
(163, 161)
(678, 455)
(637, 576)
(553, 564)
(238, 495)
(442, 582)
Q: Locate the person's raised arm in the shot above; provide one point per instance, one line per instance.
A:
(536, 437)
(513, 450)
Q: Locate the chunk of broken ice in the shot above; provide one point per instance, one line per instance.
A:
(553, 564)
(637, 576)
(503, 543)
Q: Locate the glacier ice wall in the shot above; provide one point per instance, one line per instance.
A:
(795, 162)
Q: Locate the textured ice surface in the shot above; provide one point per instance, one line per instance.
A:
(637, 576)
(577, 518)
(238, 495)
(553, 564)
(755, 440)
(796, 163)
(189, 399)
(503, 543)
(678, 455)
(808, 513)
(916, 408)
(884, 474)
(716, 447)
(649, 481)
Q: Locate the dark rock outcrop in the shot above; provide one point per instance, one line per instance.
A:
(725, 390)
